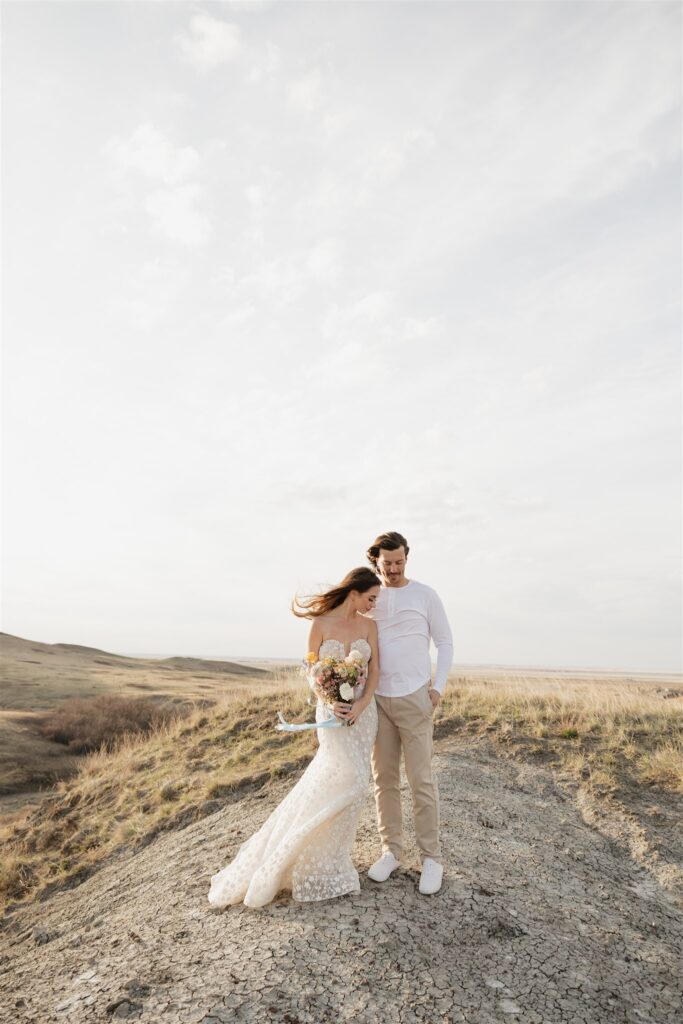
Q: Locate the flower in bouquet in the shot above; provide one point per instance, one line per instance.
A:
(333, 679)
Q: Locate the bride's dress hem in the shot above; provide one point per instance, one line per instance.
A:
(352, 889)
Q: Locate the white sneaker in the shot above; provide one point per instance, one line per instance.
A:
(382, 868)
(431, 877)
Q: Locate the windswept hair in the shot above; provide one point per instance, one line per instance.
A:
(390, 542)
(361, 579)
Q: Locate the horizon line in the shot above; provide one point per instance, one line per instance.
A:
(242, 659)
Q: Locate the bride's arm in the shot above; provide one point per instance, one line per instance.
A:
(315, 637)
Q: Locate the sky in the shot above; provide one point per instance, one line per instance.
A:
(281, 276)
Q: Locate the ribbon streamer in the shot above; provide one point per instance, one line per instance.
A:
(285, 726)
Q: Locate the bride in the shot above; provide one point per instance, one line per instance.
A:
(305, 845)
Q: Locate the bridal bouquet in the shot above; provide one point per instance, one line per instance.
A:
(334, 679)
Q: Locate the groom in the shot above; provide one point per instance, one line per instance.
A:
(408, 614)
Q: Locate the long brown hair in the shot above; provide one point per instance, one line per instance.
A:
(361, 579)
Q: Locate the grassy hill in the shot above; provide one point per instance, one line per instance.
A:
(120, 800)
(37, 678)
(615, 737)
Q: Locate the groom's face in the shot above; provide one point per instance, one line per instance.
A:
(391, 565)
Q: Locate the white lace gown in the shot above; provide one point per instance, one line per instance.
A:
(305, 845)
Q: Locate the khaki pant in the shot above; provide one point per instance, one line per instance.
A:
(406, 723)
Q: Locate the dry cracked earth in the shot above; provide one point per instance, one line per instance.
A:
(546, 916)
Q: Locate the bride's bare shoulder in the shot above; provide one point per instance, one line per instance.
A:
(370, 626)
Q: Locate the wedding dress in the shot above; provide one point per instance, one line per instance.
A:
(305, 845)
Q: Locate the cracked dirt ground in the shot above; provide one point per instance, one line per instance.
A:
(546, 915)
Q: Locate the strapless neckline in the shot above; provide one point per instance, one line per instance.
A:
(333, 640)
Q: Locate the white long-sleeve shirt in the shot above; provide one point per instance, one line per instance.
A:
(407, 618)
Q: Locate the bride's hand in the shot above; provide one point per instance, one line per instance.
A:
(357, 709)
(341, 711)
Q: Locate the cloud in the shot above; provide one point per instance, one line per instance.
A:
(307, 92)
(536, 379)
(366, 311)
(174, 214)
(173, 209)
(336, 122)
(249, 6)
(317, 496)
(262, 192)
(239, 316)
(280, 279)
(254, 194)
(415, 328)
(151, 294)
(284, 279)
(390, 159)
(210, 42)
(266, 65)
(323, 261)
(149, 151)
(366, 161)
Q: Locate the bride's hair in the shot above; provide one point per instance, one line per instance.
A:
(358, 579)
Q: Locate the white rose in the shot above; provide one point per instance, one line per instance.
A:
(356, 656)
(346, 691)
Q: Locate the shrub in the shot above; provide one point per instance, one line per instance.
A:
(84, 724)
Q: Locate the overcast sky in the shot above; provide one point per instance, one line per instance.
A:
(281, 276)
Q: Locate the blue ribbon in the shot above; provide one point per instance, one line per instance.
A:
(285, 726)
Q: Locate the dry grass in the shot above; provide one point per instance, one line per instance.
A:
(86, 724)
(37, 679)
(610, 734)
(123, 797)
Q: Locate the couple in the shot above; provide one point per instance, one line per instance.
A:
(305, 845)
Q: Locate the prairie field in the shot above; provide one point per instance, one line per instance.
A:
(616, 736)
(37, 678)
(560, 805)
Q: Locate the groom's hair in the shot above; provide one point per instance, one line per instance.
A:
(390, 542)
